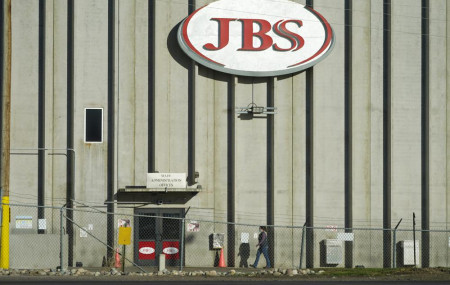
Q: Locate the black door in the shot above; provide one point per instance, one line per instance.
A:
(157, 231)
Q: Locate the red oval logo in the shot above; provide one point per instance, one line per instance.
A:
(146, 250)
(256, 37)
(170, 250)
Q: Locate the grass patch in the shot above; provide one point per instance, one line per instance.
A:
(377, 272)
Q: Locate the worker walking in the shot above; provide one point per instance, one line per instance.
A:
(263, 247)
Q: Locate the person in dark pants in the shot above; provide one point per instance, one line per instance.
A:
(263, 247)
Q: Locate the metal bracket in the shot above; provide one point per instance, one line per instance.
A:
(254, 109)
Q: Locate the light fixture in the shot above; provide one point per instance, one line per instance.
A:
(254, 109)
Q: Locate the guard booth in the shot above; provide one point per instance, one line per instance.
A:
(157, 231)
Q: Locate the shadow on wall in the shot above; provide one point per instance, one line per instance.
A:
(190, 239)
(174, 48)
(244, 253)
(182, 59)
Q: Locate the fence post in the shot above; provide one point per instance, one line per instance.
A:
(414, 238)
(394, 256)
(394, 249)
(301, 246)
(182, 244)
(61, 240)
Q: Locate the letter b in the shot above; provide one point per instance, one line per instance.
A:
(248, 34)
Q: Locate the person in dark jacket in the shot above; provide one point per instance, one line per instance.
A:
(263, 247)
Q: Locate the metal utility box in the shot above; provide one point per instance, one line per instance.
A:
(332, 252)
(216, 241)
(405, 250)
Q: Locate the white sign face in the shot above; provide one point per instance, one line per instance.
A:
(83, 233)
(146, 250)
(42, 224)
(245, 237)
(24, 222)
(123, 223)
(166, 180)
(345, 236)
(256, 37)
(193, 226)
(170, 250)
(331, 229)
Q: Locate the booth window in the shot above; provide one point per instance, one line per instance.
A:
(93, 125)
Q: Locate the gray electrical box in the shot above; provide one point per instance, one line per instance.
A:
(217, 241)
(332, 252)
(406, 252)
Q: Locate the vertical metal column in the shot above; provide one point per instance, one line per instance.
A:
(231, 172)
(348, 132)
(111, 130)
(425, 133)
(183, 227)
(191, 112)
(61, 239)
(41, 114)
(302, 245)
(151, 86)
(387, 133)
(394, 249)
(271, 170)
(70, 175)
(309, 96)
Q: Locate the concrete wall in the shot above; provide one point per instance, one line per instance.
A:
(212, 137)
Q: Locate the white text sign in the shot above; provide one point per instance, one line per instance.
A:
(166, 180)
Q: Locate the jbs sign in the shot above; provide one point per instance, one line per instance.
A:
(296, 41)
(256, 37)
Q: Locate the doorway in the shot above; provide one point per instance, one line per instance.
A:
(157, 231)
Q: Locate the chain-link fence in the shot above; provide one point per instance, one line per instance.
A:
(36, 237)
(48, 237)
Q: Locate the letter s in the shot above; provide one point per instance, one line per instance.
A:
(297, 41)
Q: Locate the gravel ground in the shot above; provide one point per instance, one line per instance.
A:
(196, 274)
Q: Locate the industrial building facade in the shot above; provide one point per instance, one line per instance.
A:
(102, 95)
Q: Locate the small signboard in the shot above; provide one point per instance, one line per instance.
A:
(331, 228)
(218, 241)
(123, 223)
(83, 233)
(345, 236)
(124, 236)
(124, 232)
(245, 237)
(166, 180)
(24, 222)
(146, 250)
(193, 226)
(42, 224)
(171, 249)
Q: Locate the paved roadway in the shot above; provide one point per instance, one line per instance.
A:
(55, 282)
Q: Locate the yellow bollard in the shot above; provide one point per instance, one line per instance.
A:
(4, 250)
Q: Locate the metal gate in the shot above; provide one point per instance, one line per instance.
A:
(157, 231)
